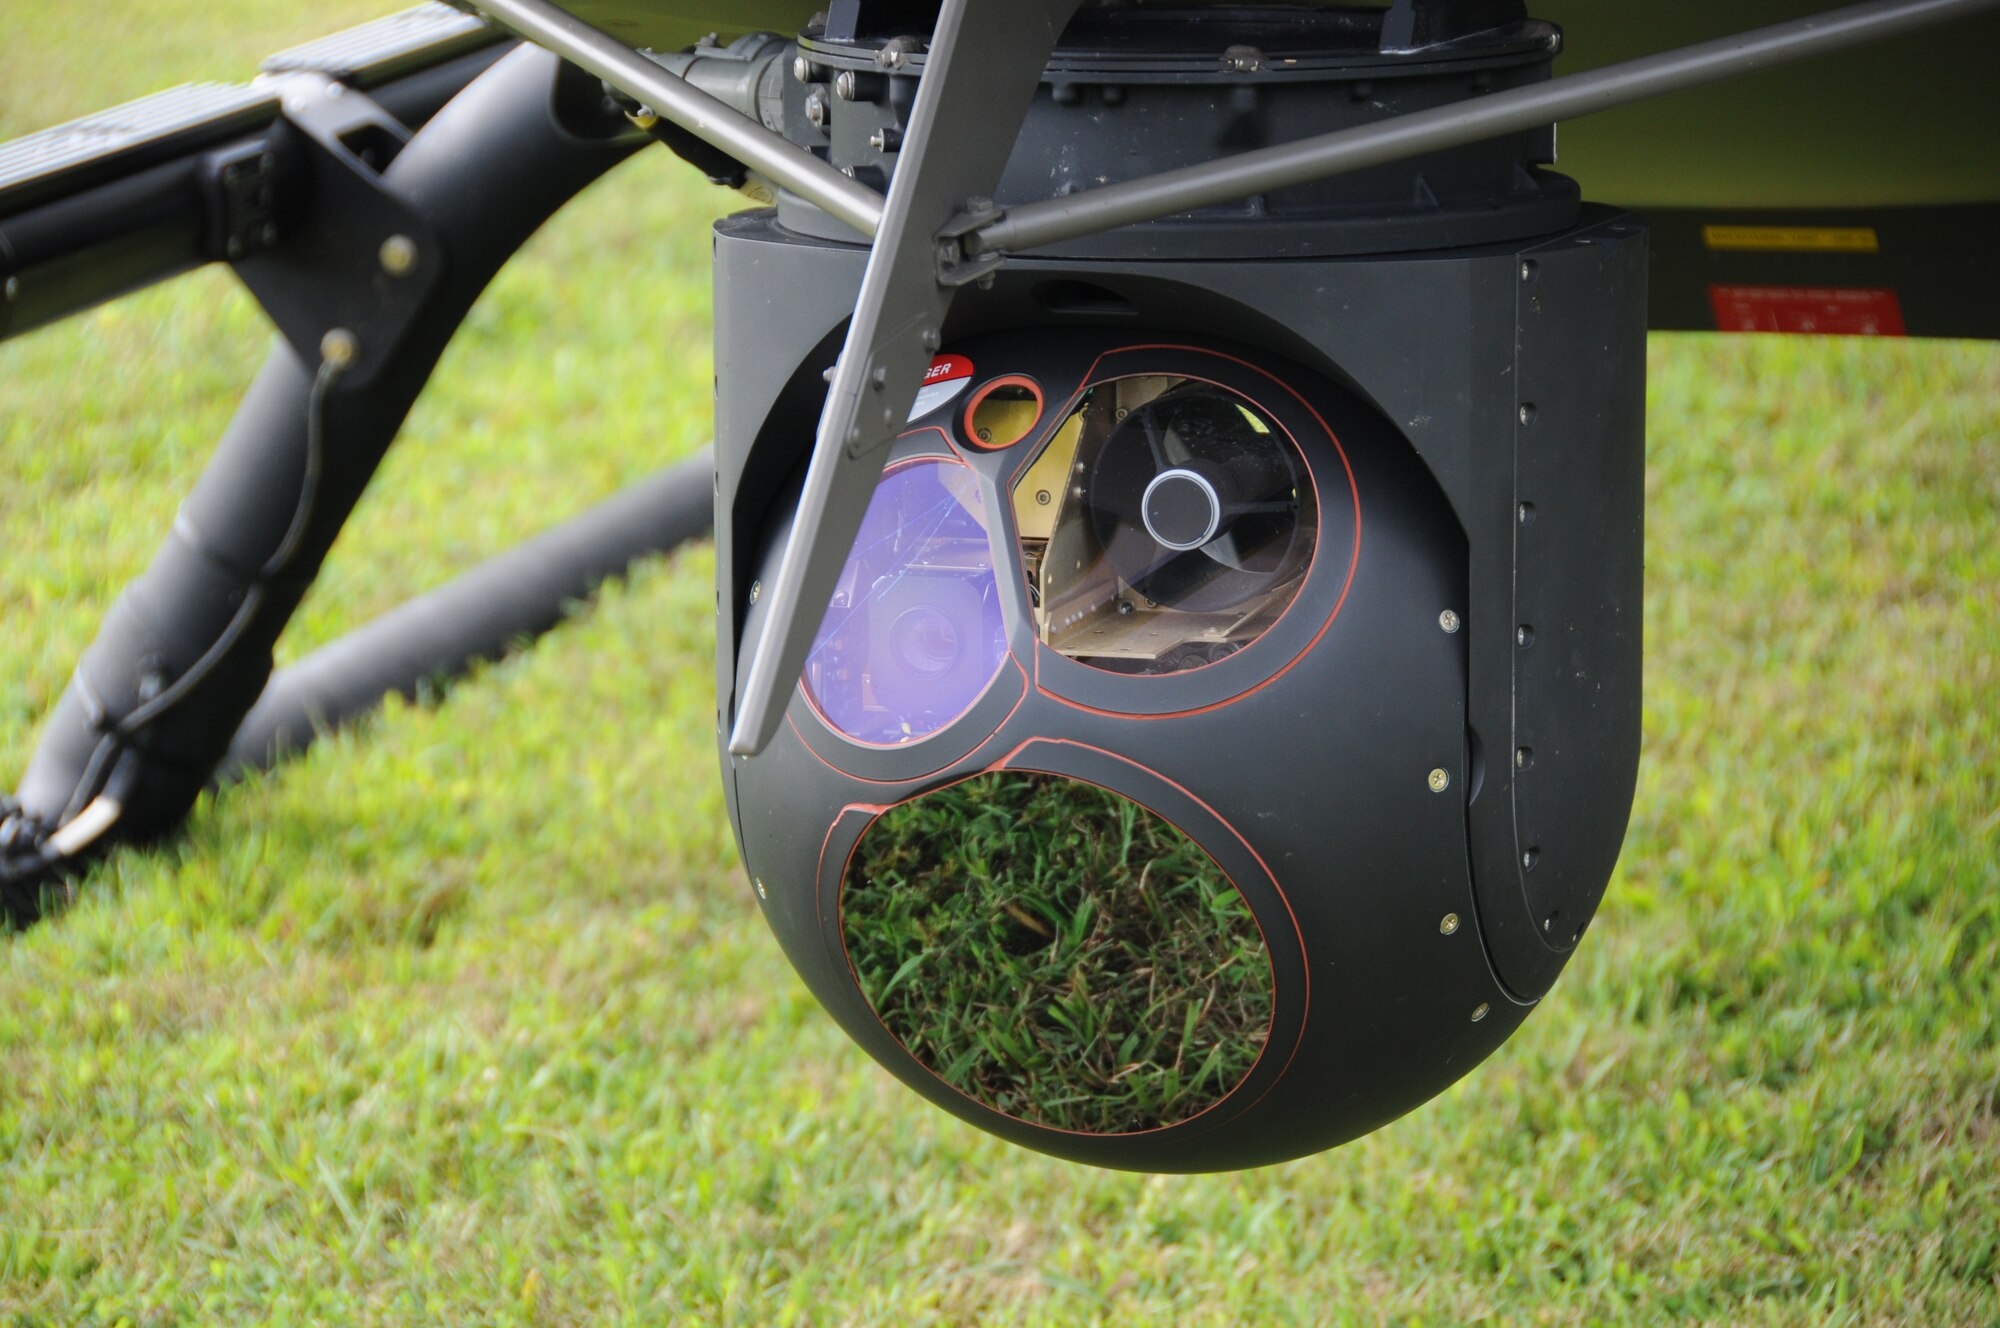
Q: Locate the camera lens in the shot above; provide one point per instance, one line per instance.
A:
(925, 642)
(913, 636)
(1168, 523)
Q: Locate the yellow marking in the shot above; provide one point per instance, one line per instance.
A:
(1794, 239)
(1049, 475)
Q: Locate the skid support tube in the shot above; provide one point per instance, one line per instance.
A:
(1191, 188)
(187, 649)
(675, 99)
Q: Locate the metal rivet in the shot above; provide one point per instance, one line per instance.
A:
(1042, 497)
(1527, 513)
(1523, 757)
(1480, 1011)
(399, 255)
(816, 110)
(1527, 412)
(756, 591)
(1524, 635)
(1528, 269)
(13, 289)
(1440, 780)
(339, 348)
(758, 881)
(1448, 620)
(1448, 924)
(1530, 858)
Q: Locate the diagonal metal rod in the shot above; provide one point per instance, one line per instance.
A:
(1189, 188)
(673, 98)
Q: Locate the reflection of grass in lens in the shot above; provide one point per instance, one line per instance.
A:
(1058, 953)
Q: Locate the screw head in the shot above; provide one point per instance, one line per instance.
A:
(1448, 925)
(816, 110)
(756, 591)
(1527, 412)
(1480, 1011)
(845, 85)
(398, 255)
(758, 881)
(1042, 497)
(802, 68)
(13, 289)
(1448, 620)
(339, 348)
(1440, 780)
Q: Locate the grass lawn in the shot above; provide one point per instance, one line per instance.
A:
(469, 1017)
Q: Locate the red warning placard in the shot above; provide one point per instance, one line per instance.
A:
(948, 376)
(1821, 310)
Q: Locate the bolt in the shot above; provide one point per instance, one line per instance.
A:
(1527, 269)
(886, 139)
(1440, 780)
(1118, 414)
(1480, 1011)
(1527, 412)
(931, 339)
(339, 348)
(756, 591)
(13, 289)
(985, 435)
(758, 881)
(398, 255)
(1448, 620)
(1524, 635)
(802, 68)
(1527, 513)
(1126, 608)
(816, 110)
(846, 85)
(1523, 757)
(1448, 925)
(1042, 497)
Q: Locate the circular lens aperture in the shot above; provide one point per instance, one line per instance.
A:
(1058, 953)
(1168, 524)
(913, 635)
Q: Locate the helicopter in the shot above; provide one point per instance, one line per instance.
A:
(1177, 490)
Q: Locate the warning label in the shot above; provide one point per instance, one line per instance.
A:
(1824, 311)
(1794, 239)
(949, 375)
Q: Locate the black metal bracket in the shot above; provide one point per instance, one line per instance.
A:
(346, 275)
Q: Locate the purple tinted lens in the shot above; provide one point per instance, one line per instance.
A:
(914, 634)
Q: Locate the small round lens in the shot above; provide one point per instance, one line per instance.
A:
(926, 642)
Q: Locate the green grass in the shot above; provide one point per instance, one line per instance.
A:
(469, 1016)
(1057, 953)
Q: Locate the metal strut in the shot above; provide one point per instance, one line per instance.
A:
(399, 259)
